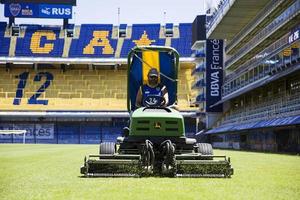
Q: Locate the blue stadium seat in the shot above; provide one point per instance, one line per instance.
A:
(68, 133)
(184, 42)
(40, 41)
(90, 134)
(4, 42)
(123, 26)
(199, 69)
(94, 41)
(169, 25)
(122, 30)
(110, 134)
(142, 34)
(70, 26)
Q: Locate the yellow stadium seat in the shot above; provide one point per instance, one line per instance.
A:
(63, 87)
(98, 95)
(85, 93)
(97, 88)
(10, 94)
(91, 77)
(66, 95)
(51, 93)
(78, 89)
(2, 94)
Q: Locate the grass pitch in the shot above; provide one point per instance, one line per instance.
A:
(52, 172)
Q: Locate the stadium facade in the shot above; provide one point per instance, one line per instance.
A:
(261, 87)
(69, 85)
(239, 88)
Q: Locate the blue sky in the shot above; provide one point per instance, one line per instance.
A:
(131, 11)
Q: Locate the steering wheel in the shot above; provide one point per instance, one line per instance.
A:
(154, 101)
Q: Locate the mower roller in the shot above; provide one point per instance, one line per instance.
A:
(155, 143)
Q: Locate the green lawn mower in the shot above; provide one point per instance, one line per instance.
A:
(154, 144)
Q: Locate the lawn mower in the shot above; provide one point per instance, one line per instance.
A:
(155, 144)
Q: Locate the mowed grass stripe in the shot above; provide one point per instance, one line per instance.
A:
(52, 172)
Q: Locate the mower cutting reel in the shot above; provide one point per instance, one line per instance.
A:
(163, 161)
(112, 166)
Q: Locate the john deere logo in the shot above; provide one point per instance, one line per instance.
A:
(157, 125)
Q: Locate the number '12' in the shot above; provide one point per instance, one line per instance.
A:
(22, 84)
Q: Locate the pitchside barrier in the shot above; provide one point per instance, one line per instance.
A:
(70, 132)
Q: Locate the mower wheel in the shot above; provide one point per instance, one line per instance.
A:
(205, 148)
(107, 148)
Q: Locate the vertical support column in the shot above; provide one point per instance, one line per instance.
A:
(11, 21)
(65, 23)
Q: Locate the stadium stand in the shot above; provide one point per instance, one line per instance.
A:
(142, 34)
(272, 30)
(284, 104)
(90, 134)
(95, 40)
(185, 94)
(38, 89)
(280, 57)
(40, 41)
(169, 30)
(184, 42)
(102, 89)
(122, 30)
(261, 87)
(4, 42)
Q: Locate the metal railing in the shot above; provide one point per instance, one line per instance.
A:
(277, 23)
(280, 106)
(260, 57)
(282, 63)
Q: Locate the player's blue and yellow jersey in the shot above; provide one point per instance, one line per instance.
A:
(151, 91)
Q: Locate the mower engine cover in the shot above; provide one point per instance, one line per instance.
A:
(165, 122)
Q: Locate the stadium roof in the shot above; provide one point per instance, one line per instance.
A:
(233, 16)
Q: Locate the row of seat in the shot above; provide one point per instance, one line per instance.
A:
(39, 41)
(4, 42)
(92, 40)
(278, 63)
(269, 108)
(142, 34)
(76, 89)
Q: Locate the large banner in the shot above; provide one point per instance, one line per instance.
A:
(30, 10)
(33, 131)
(214, 74)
